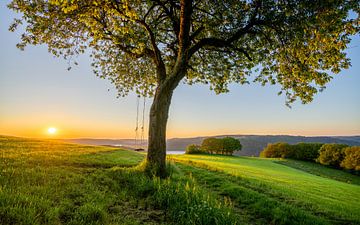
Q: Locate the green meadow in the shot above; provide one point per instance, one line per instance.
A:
(50, 182)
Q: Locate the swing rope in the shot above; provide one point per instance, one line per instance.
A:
(142, 138)
(137, 122)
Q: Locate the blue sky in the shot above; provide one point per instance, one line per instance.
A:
(37, 91)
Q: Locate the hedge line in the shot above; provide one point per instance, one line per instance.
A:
(334, 155)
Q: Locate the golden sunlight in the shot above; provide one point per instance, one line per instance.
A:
(52, 130)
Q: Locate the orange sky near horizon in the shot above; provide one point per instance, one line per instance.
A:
(40, 130)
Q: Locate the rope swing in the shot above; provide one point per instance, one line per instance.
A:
(140, 138)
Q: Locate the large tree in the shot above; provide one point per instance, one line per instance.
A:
(149, 46)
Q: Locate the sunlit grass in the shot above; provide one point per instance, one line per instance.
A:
(49, 182)
(333, 199)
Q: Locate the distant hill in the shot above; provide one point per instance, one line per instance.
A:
(252, 144)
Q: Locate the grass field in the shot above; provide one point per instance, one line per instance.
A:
(49, 182)
(313, 193)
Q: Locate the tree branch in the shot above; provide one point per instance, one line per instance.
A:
(196, 32)
(180, 67)
(171, 15)
(185, 22)
(220, 43)
(126, 49)
(243, 51)
(148, 12)
(160, 66)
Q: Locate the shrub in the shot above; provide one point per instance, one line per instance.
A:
(193, 149)
(211, 145)
(306, 151)
(352, 158)
(278, 150)
(331, 154)
(225, 146)
(230, 145)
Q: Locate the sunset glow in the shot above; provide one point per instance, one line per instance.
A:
(52, 130)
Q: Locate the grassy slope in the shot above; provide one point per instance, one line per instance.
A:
(320, 170)
(332, 200)
(49, 182)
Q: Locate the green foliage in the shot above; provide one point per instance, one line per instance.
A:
(278, 150)
(211, 145)
(352, 158)
(306, 151)
(225, 146)
(300, 151)
(331, 154)
(230, 145)
(336, 155)
(193, 149)
(140, 44)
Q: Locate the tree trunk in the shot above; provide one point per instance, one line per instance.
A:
(156, 156)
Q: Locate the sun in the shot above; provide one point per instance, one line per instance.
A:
(52, 130)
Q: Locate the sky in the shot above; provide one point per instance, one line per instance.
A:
(37, 92)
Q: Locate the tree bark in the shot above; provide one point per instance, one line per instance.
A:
(156, 156)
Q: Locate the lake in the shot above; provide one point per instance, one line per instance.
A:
(175, 152)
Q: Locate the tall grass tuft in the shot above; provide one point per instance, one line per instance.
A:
(180, 198)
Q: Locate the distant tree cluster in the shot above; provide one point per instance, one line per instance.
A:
(193, 149)
(300, 151)
(351, 159)
(277, 150)
(334, 155)
(306, 151)
(340, 156)
(223, 146)
(331, 154)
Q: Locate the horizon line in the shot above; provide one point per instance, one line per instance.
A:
(217, 135)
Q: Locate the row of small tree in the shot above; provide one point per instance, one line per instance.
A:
(334, 155)
(300, 151)
(224, 146)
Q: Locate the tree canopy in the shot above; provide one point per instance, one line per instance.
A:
(225, 146)
(141, 43)
(150, 46)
